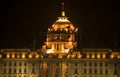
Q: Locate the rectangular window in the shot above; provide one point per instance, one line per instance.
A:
(4, 70)
(15, 64)
(84, 64)
(10, 64)
(24, 70)
(10, 70)
(95, 71)
(90, 71)
(19, 70)
(5, 64)
(115, 71)
(106, 64)
(20, 64)
(25, 64)
(33, 64)
(101, 64)
(90, 64)
(84, 71)
(14, 70)
(95, 64)
(100, 71)
(106, 71)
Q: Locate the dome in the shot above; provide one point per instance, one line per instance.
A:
(62, 23)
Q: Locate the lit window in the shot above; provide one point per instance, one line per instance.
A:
(119, 56)
(98, 56)
(80, 56)
(8, 55)
(18, 55)
(13, 55)
(30, 55)
(104, 55)
(37, 56)
(93, 56)
(0, 55)
(87, 56)
(23, 55)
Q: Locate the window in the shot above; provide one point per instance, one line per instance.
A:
(106, 71)
(10, 64)
(76, 64)
(95, 64)
(14, 70)
(90, 64)
(33, 64)
(33, 70)
(90, 71)
(24, 70)
(25, 64)
(115, 71)
(85, 71)
(5, 64)
(115, 64)
(100, 71)
(10, 70)
(20, 63)
(95, 71)
(4, 70)
(100, 64)
(106, 64)
(15, 64)
(76, 71)
(19, 70)
(84, 64)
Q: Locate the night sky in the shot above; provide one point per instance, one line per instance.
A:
(98, 22)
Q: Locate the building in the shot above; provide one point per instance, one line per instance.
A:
(59, 57)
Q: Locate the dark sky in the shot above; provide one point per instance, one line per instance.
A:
(97, 20)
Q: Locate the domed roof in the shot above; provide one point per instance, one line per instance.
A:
(62, 23)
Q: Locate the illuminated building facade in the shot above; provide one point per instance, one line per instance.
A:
(59, 57)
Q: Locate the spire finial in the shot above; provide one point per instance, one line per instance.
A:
(63, 12)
